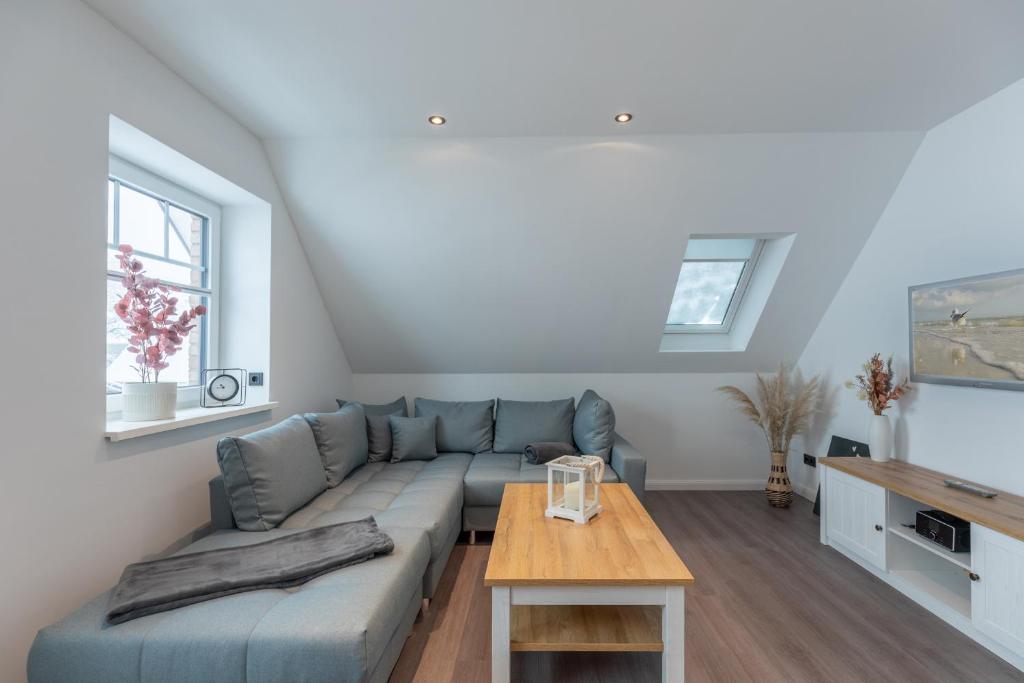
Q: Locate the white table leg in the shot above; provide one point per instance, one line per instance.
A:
(501, 615)
(672, 635)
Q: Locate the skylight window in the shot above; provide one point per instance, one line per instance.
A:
(711, 284)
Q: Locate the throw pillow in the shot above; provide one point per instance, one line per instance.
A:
(518, 423)
(271, 473)
(462, 426)
(341, 439)
(378, 434)
(413, 438)
(593, 427)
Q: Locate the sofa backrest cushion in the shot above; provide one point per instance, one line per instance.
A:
(381, 408)
(462, 426)
(520, 423)
(271, 473)
(593, 427)
(341, 439)
(413, 438)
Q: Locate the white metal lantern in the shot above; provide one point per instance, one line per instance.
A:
(574, 487)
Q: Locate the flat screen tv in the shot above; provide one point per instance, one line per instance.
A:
(969, 332)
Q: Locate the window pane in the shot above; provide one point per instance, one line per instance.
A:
(185, 366)
(704, 291)
(110, 212)
(141, 221)
(161, 270)
(117, 341)
(186, 236)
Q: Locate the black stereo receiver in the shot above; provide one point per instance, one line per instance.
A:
(952, 533)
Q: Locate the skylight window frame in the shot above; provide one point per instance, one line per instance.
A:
(735, 302)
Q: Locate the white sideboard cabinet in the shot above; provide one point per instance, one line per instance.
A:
(856, 517)
(997, 597)
(868, 512)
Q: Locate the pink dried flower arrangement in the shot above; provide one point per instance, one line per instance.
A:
(148, 310)
(876, 385)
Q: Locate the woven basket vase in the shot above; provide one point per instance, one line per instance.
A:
(779, 490)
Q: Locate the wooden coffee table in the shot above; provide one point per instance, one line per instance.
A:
(612, 585)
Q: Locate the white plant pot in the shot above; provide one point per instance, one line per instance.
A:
(145, 401)
(880, 438)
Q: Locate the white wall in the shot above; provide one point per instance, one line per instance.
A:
(78, 508)
(959, 211)
(691, 436)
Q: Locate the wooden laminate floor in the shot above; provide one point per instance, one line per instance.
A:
(770, 604)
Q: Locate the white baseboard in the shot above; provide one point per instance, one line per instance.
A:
(704, 484)
(808, 492)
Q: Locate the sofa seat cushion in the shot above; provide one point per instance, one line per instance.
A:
(487, 476)
(419, 494)
(489, 472)
(337, 625)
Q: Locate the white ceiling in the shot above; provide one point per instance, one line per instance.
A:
(543, 67)
(561, 254)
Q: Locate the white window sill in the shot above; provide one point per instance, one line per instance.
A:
(118, 430)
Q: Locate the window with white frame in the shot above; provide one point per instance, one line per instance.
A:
(713, 278)
(174, 233)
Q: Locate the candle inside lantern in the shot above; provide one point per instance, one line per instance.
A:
(572, 495)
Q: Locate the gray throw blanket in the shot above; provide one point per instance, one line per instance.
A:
(162, 585)
(546, 451)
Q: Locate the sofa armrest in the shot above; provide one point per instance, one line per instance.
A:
(220, 507)
(629, 465)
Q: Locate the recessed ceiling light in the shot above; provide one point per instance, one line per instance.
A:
(624, 117)
(437, 120)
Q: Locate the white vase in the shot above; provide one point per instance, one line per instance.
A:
(144, 401)
(880, 438)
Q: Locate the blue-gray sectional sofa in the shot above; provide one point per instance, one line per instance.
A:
(348, 625)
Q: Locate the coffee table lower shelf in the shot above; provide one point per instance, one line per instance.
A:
(586, 628)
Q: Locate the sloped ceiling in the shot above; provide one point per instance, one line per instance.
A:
(531, 233)
(561, 254)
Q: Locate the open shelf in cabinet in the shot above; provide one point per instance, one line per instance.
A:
(902, 514)
(962, 560)
(924, 566)
(946, 587)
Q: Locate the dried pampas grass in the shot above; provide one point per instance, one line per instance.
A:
(783, 409)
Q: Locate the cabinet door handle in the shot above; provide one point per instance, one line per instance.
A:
(878, 527)
(973, 577)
